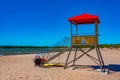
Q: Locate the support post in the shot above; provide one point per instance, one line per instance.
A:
(75, 56)
(76, 37)
(76, 29)
(101, 60)
(96, 33)
(67, 58)
(71, 33)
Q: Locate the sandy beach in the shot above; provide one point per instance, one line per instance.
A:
(21, 67)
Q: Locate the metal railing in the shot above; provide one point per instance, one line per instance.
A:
(56, 49)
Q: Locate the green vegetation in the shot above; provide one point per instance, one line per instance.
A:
(100, 45)
(109, 45)
(103, 46)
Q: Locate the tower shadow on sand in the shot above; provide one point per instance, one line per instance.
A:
(110, 68)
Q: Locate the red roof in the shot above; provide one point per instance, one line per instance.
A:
(84, 19)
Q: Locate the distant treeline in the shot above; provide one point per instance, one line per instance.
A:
(100, 45)
(109, 45)
(104, 46)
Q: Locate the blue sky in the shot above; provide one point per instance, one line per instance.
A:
(43, 22)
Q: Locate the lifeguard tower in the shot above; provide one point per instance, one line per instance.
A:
(80, 41)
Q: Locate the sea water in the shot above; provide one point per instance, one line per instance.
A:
(14, 51)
